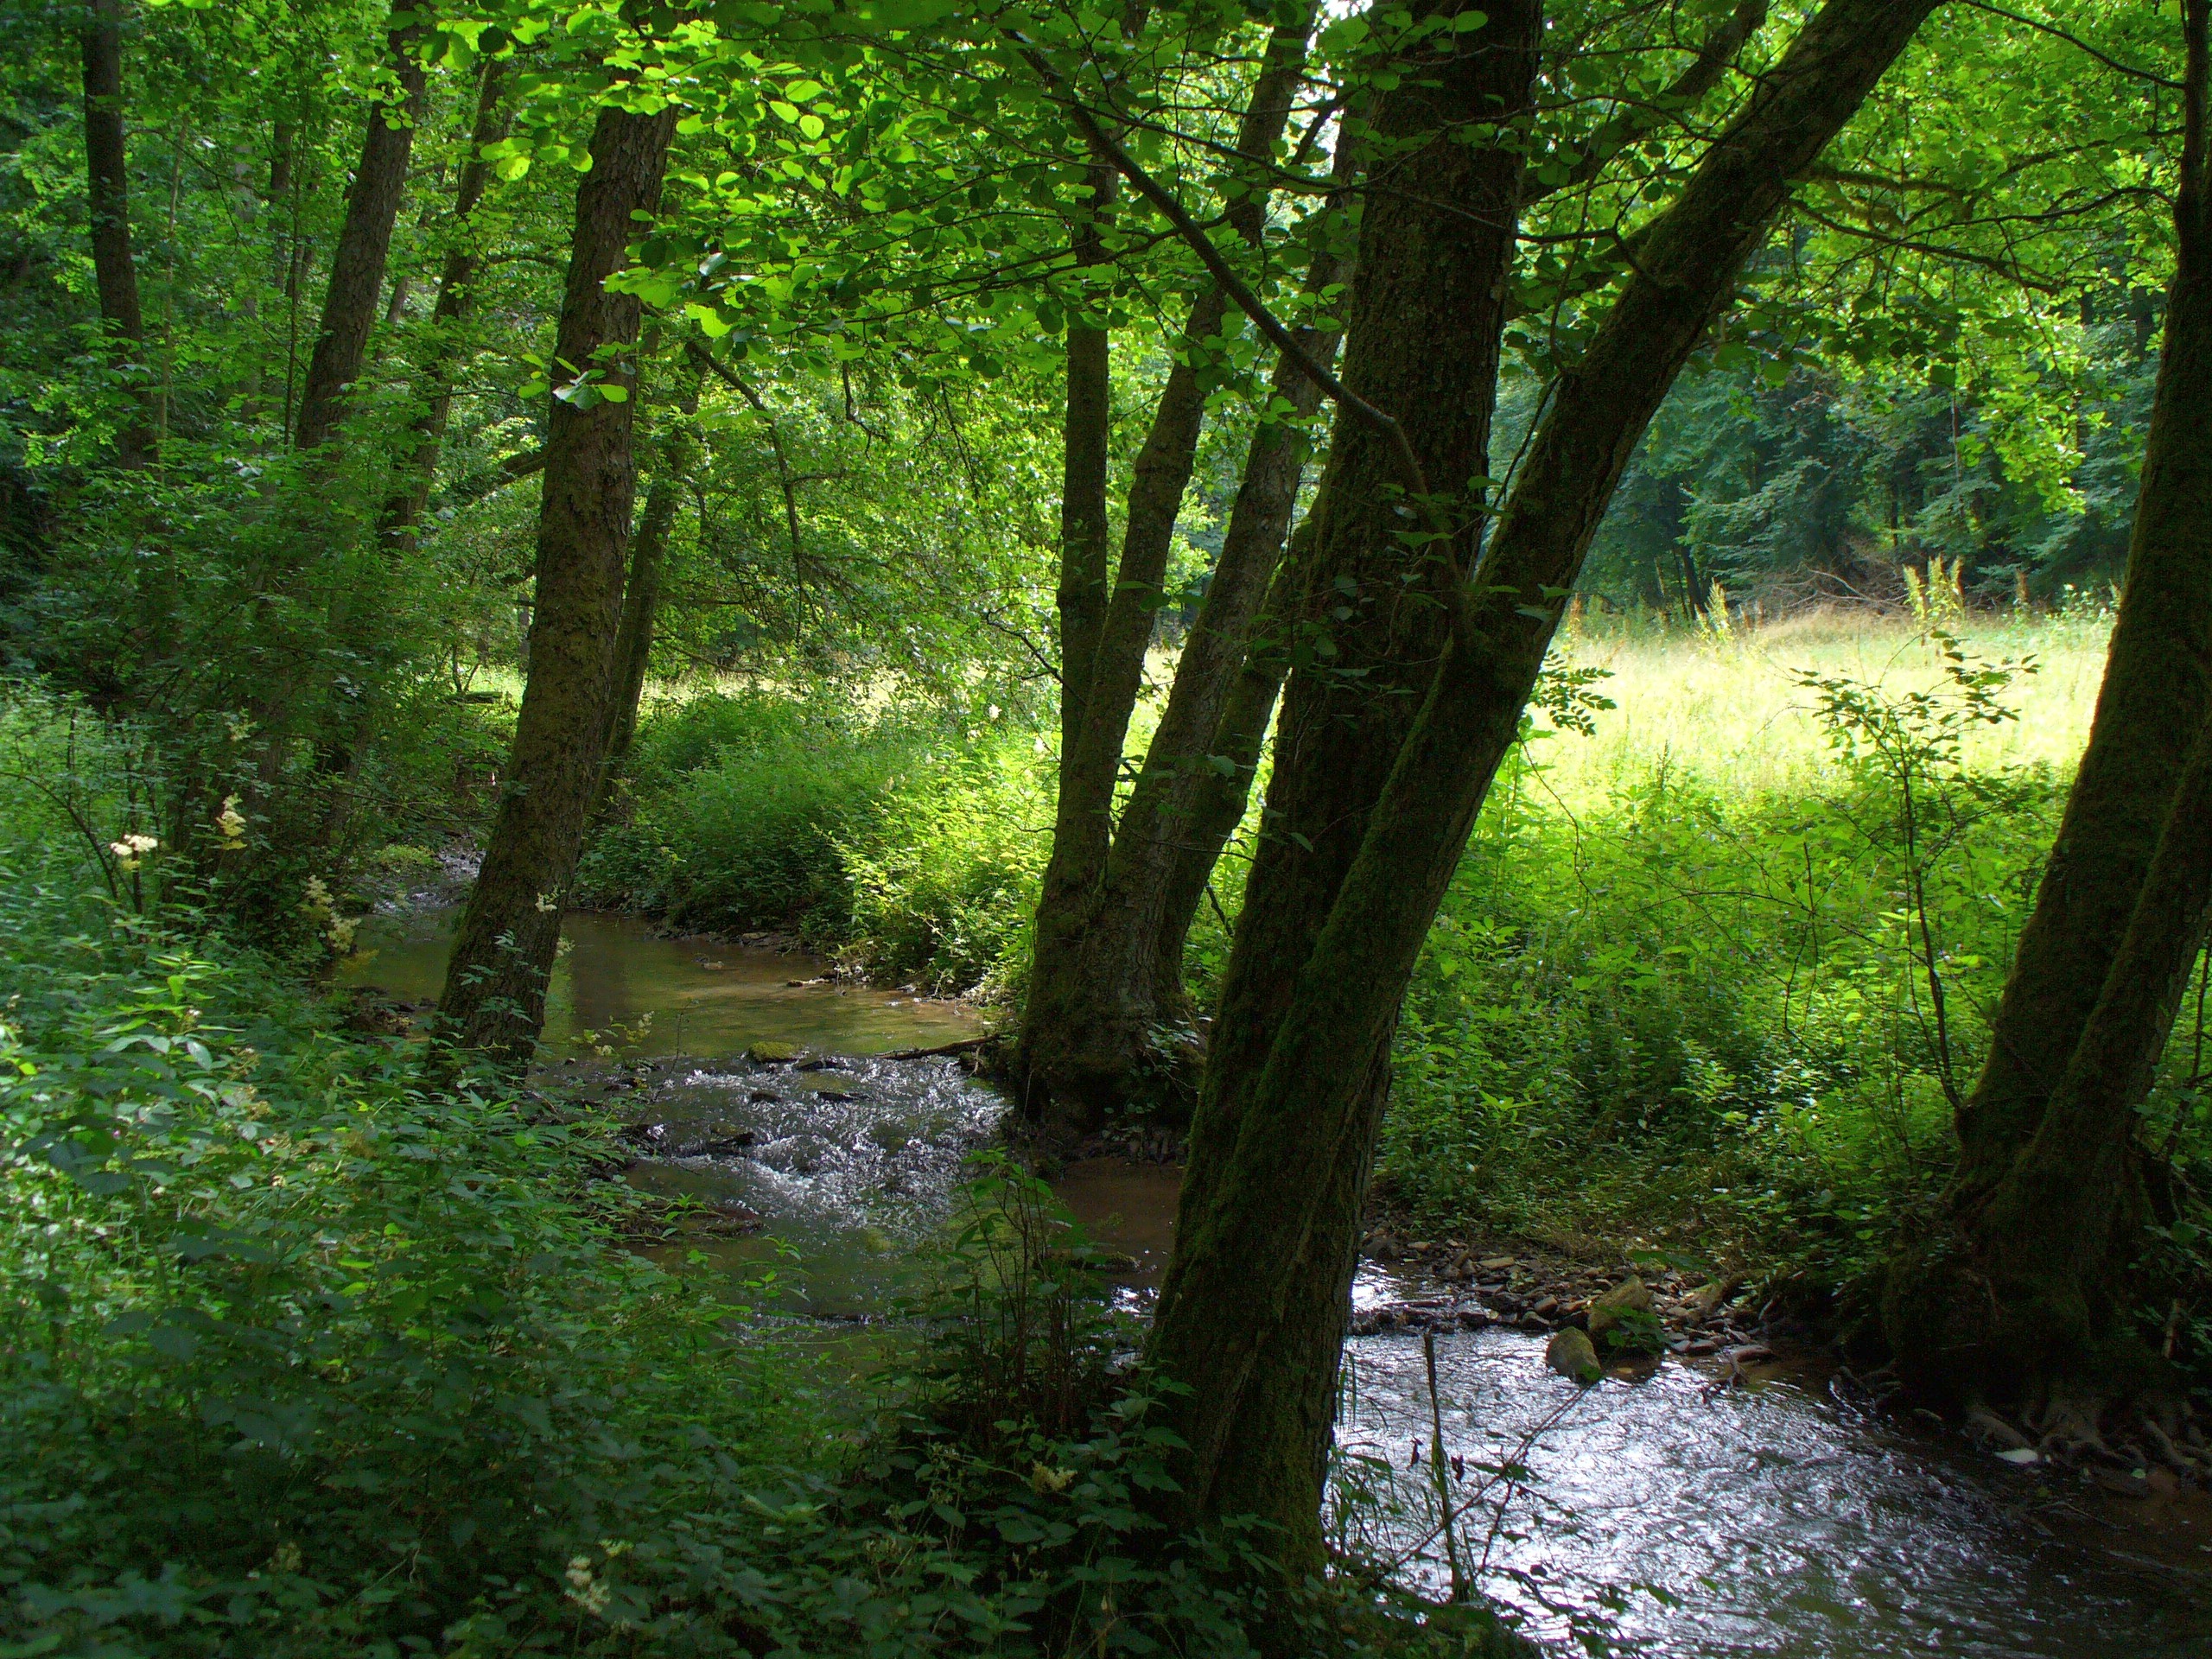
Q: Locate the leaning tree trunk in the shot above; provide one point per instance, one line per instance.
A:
(1424, 320)
(349, 305)
(1370, 811)
(2027, 1303)
(1963, 1322)
(410, 490)
(1086, 1018)
(114, 274)
(495, 995)
(2158, 688)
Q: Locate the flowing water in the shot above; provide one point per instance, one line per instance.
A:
(1680, 1511)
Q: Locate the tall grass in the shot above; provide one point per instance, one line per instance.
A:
(1700, 984)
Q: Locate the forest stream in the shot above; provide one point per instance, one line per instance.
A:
(1696, 1508)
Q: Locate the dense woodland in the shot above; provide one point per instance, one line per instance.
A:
(1460, 609)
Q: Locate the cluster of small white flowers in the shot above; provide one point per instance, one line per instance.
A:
(588, 1589)
(133, 849)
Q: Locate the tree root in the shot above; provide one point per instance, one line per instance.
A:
(2075, 1431)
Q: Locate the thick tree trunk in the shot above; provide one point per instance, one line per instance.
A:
(349, 305)
(2157, 689)
(2012, 1292)
(411, 492)
(114, 274)
(1083, 1040)
(1425, 316)
(495, 995)
(1370, 802)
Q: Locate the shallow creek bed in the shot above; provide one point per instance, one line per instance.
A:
(1703, 1502)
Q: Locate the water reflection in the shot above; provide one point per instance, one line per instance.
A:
(703, 997)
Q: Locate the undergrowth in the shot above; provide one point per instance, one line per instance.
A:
(298, 1358)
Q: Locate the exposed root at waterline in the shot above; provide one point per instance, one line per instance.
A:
(2136, 1450)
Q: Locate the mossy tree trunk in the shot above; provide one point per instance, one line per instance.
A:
(349, 304)
(1090, 1015)
(2013, 1294)
(494, 996)
(1372, 794)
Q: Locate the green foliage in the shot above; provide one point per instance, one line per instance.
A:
(736, 805)
(945, 879)
(1732, 1018)
(916, 848)
(297, 1358)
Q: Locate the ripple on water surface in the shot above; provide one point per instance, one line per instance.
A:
(1786, 1524)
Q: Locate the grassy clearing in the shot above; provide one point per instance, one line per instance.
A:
(1730, 711)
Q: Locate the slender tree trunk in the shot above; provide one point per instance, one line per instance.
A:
(1961, 1317)
(1202, 798)
(495, 995)
(115, 273)
(633, 636)
(411, 492)
(349, 305)
(1085, 551)
(1073, 1062)
(1371, 801)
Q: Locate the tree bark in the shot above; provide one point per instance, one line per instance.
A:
(2014, 1291)
(1083, 1041)
(494, 996)
(1425, 316)
(1200, 799)
(2025, 1299)
(397, 523)
(1373, 795)
(349, 305)
(115, 273)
